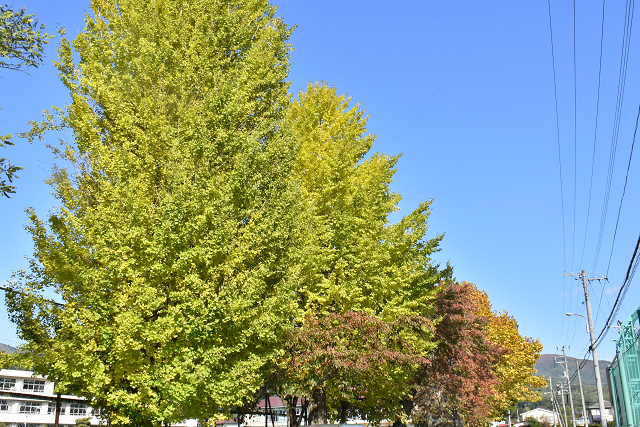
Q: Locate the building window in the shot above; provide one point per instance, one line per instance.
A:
(51, 409)
(7, 383)
(77, 409)
(29, 407)
(33, 385)
(96, 412)
(4, 405)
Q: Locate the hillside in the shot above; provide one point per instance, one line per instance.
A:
(7, 348)
(547, 367)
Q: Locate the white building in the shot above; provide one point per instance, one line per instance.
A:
(594, 412)
(541, 415)
(27, 400)
(273, 413)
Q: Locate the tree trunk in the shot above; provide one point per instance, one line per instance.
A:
(292, 402)
(407, 406)
(318, 407)
(344, 410)
(457, 421)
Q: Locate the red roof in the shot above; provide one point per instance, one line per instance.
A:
(274, 402)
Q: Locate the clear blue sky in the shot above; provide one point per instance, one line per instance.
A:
(465, 91)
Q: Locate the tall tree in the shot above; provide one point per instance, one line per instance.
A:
(459, 381)
(172, 248)
(515, 369)
(22, 41)
(356, 259)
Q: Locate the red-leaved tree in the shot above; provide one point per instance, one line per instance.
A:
(459, 379)
(349, 363)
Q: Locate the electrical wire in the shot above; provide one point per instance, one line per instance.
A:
(575, 137)
(631, 270)
(626, 41)
(624, 189)
(633, 265)
(595, 136)
(555, 93)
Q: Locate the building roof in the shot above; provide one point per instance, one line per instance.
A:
(537, 410)
(274, 402)
(607, 405)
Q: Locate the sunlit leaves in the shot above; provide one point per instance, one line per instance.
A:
(174, 242)
(22, 39)
(356, 261)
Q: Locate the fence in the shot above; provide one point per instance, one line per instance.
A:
(624, 374)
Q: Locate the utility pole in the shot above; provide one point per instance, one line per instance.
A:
(556, 415)
(585, 417)
(564, 407)
(596, 367)
(566, 374)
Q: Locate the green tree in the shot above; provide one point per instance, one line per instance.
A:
(22, 41)
(173, 249)
(356, 259)
(532, 422)
(7, 170)
(83, 422)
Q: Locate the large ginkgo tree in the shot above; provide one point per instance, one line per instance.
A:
(173, 247)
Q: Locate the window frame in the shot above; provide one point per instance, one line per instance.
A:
(7, 380)
(25, 404)
(33, 384)
(78, 409)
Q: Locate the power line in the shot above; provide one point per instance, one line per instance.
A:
(633, 264)
(575, 137)
(624, 189)
(595, 135)
(555, 93)
(626, 41)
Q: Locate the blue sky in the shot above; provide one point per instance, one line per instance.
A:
(465, 91)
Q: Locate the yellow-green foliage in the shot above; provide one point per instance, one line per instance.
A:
(172, 245)
(360, 260)
(356, 258)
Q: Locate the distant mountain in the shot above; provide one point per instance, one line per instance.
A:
(548, 367)
(7, 348)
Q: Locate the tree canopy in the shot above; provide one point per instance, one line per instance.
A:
(357, 262)
(172, 247)
(515, 370)
(458, 381)
(216, 237)
(22, 41)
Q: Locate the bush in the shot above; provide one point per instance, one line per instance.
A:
(533, 422)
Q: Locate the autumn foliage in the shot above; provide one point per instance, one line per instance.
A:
(481, 366)
(351, 362)
(216, 239)
(459, 378)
